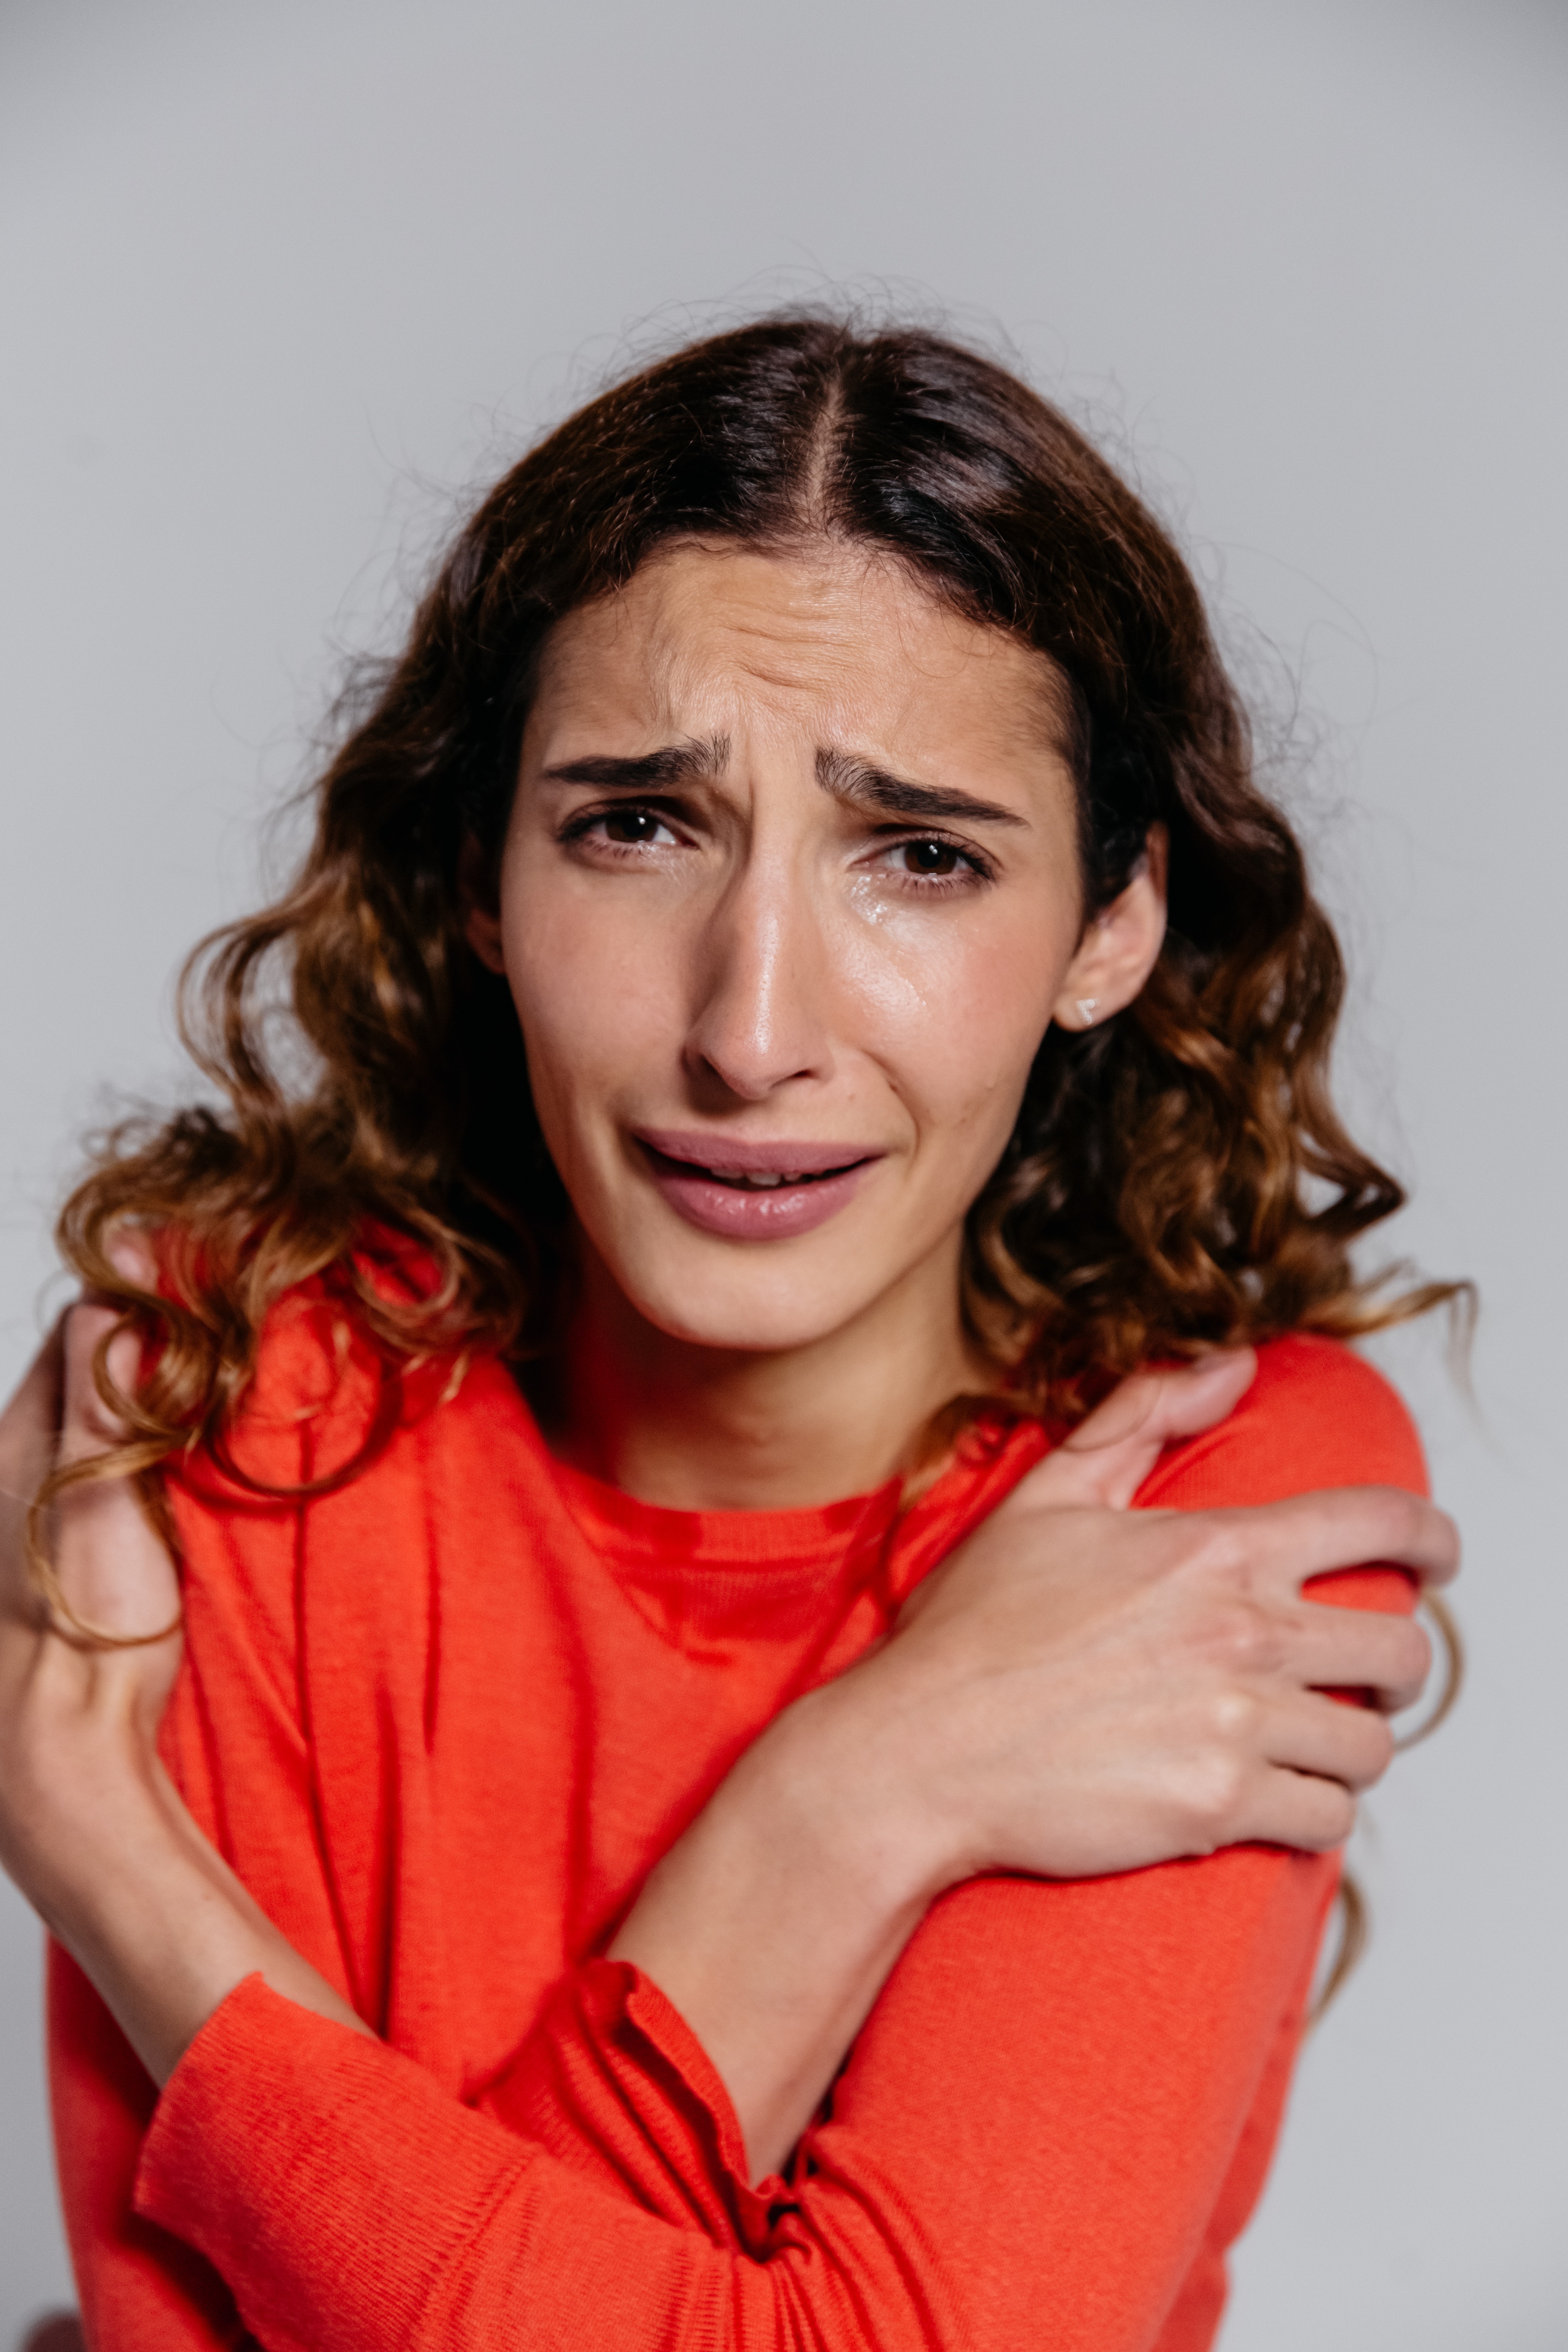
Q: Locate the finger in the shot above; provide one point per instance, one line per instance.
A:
(111, 1567)
(130, 1254)
(1298, 1809)
(1309, 1732)
(88, 1426)
(1108, 1457)
(89, 1422)
(1305, 1536)
(1383, 1658)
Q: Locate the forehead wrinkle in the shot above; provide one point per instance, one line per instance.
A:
(743, 697)
(709, 663)
(696, 646)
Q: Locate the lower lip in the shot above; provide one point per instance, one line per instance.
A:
(739, 1214)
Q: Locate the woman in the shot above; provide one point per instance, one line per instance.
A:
(806, 997)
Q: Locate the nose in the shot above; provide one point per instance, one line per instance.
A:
(762, 987)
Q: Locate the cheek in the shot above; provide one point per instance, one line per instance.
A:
(954, 1008)
(593, 1001)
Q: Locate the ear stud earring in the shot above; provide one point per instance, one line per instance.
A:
(1086, 1005)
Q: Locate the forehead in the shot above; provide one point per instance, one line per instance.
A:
(839, 640)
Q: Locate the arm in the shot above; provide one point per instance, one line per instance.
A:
(647, 2000)
(1031, 2135)
(774, 1922)
(1169, 1698)
(1025, 2148)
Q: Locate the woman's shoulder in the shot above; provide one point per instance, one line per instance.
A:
(326, 1390)
(1317, 1414)
(315, 1349)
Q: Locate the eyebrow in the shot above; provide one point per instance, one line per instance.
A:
(848, 778)
(674, 763)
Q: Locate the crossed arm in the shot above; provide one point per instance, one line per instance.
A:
(1079, 1690)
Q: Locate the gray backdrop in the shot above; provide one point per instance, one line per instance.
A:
(280, 280)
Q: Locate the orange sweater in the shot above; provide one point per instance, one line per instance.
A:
(443, 1720)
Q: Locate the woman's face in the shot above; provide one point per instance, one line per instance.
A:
(789, 896)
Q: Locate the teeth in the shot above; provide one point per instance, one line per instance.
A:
(756, 1180)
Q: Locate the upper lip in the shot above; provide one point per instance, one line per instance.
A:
(725, 1155)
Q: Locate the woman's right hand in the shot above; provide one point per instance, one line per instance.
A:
(1082, 1688)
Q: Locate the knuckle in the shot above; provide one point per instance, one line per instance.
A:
(1213, 1794)
(1222, 1543)
(1211, 1547)
(1234, 1720)
(1240, 1639)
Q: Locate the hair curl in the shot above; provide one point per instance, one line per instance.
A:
(1178, 1178)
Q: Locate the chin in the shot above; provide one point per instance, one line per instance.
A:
(738, 1309)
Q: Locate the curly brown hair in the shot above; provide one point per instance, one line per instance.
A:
(1178, 1178)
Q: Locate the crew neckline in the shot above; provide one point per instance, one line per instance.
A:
(708, 1579)
(717, 1537)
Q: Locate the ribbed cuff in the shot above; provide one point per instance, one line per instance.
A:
(328, 2178)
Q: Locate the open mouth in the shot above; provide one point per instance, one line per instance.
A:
(752, 1180)
(753, 1192)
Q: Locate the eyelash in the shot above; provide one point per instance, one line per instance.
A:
(579, 828)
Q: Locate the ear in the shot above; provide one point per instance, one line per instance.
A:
(1117, 949)
(482, 916)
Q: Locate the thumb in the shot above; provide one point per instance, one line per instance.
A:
(1109, 1454)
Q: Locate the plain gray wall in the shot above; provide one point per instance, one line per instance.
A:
(280, 279)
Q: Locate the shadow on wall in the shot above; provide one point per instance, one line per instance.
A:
(58, 2331)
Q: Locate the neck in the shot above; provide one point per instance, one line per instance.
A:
(699, 1428)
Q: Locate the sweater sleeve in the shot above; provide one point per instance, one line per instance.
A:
(1029, 2177)
(144, 2289)
(1063, 2091)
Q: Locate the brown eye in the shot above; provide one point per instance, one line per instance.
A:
(930, 857)
(630, 824)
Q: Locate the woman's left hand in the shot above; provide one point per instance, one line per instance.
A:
(91, 1828)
